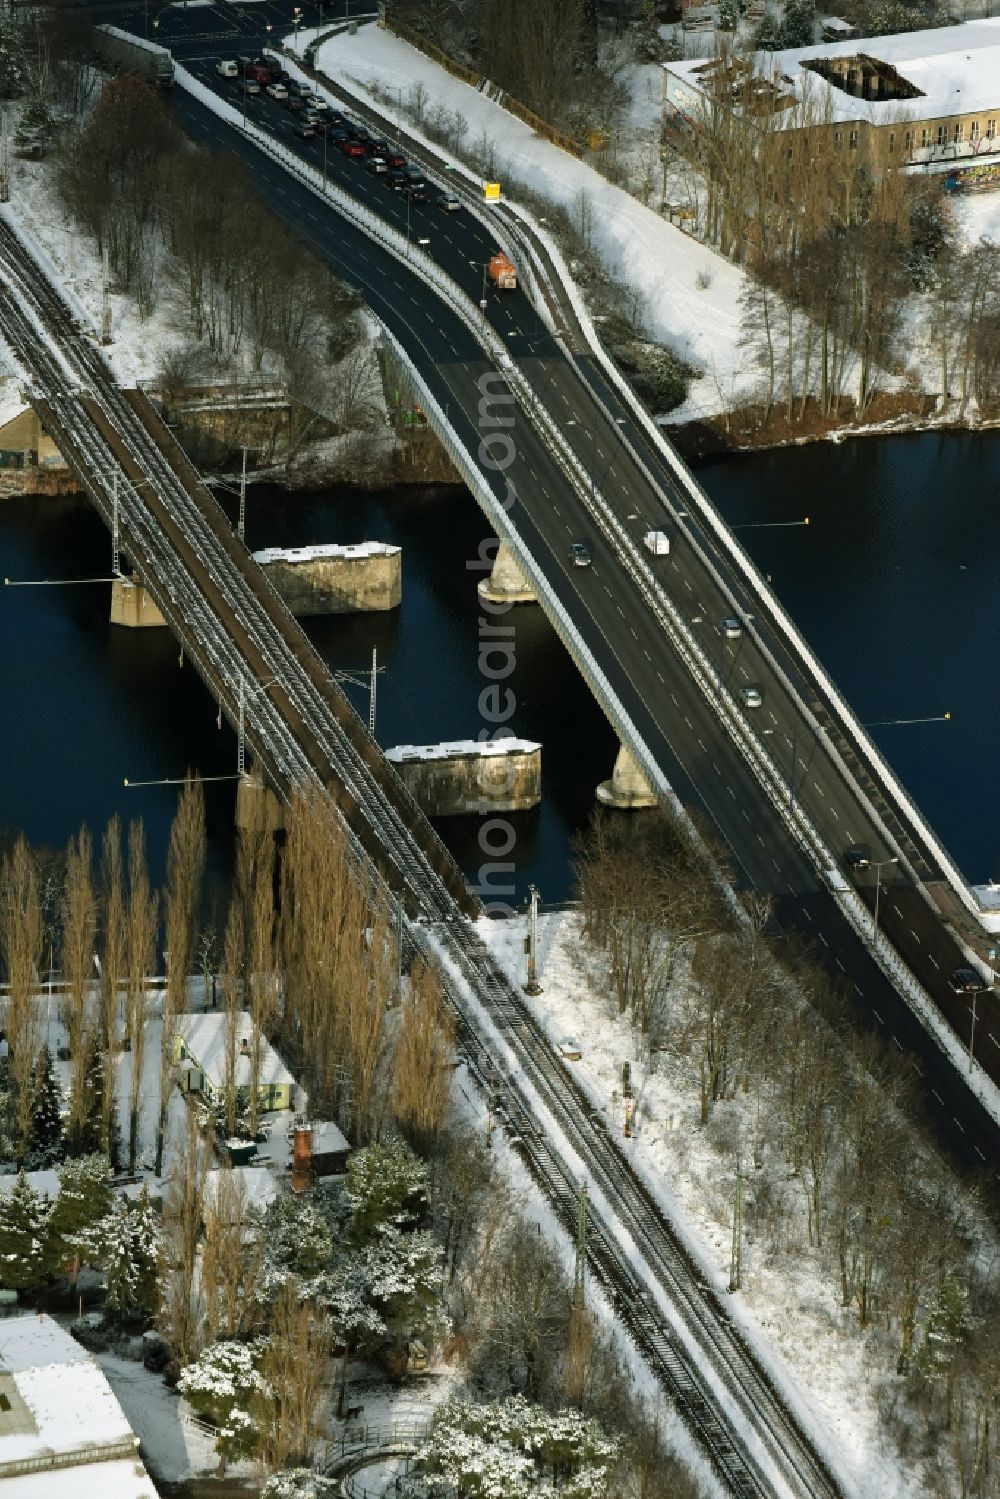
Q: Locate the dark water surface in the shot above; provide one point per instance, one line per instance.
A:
(84, 705)
(895, 583)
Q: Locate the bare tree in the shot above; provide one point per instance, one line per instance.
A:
(185, 866)
(112, 970)
(295, 1368)
(141, 944)
(232, 1262)
(21, 943)
(181, 1293)
(262, 958)
(79, 927)
(421, 1084)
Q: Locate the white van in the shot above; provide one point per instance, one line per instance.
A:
(658, 542)
(227, 69)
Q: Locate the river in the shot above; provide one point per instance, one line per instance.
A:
(893, 582)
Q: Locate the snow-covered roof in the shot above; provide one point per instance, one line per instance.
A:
(309, 554)
(206, 1036)
(956, 70)
(60, 1402)
(455, 749)
(45, 1182)
(259, 1185)
(12, 402)
(327, 1137)
(124, 1478)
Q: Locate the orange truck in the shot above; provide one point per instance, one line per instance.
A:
(502, 272)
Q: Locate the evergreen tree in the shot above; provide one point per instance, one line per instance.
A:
(729, 15)
(45, 1140)
(404, 1277)
(12, 69)
(24, 1237)
(768, 36)
(89, 1137)
(125, 1244)
(799, 26)
(221, 1384)
(35, 125)
(84, 1200)
(386, 1184)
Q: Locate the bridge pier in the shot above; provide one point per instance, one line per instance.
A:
(628, 788)
(335, 579)
(506, 583)
(258, 809)
(133, 607)
(470, 776)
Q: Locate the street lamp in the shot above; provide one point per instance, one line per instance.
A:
(297, 19)
(794, 770)
(878, 867)
(483, 298)
(882, 723)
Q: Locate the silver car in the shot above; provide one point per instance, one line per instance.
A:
(752, 696)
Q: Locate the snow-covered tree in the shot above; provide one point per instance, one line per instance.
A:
(45, 1138)
(768, 36)
(222, 1384)
(298, 1235)
(125, 1245)
(729, 15)
(386, 1184)
(35, 125)
(299, 1483)
(405, 1278)
(24, 1237)
(12, 68)
(798, 29)
(515, 1449)
(84, 1199)
(355, 1325)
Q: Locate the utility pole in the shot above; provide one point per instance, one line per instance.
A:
(116, 563)
(371, 692)
(106, 299)
(240, 726)
(5, 152)
(736, 1259)
(972, 1032)
(531, 943)
(241, 525)
(580, 1265)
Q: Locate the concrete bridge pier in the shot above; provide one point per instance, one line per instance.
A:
(628, 788)
(258, 809)
(506, 583)
(465, 776)
(132, 606)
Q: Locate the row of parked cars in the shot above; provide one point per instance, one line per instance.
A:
(315, 117)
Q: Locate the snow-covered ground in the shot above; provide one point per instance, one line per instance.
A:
(787, 1307)
(977, 215)
(691, 294)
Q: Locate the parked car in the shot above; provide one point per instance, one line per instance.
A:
(277, 91)
(581, 554)
(968, 981)
(752, 696)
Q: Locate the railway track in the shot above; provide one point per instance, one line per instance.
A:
(302, 729)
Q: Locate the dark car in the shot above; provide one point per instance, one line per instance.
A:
(353, 148)
(293, 103)
(339, 136)
(376, 147)
(857, 856)
(581, 554)
(335, 117)
(396, 160)
(397, 181)
(415, 191)
(968, 981)
(303, 89)
(305, 131)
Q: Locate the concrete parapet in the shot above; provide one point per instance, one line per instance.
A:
(132, 606)
(506, 584)
(258, 809)
(628, 788)
(447, 780)
(335, 579)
